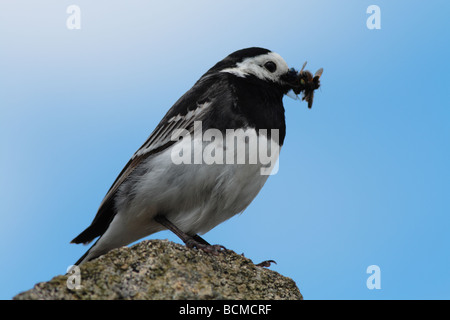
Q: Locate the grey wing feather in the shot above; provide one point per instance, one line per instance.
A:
(165, 134)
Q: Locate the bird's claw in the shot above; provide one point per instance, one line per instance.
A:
(266, 263)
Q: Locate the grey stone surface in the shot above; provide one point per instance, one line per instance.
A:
(160, 269)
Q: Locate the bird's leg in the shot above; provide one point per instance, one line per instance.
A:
(190, 241)
(200, 240)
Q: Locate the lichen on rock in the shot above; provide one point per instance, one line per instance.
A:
(163, 270)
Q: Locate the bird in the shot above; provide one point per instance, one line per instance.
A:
(241, 93)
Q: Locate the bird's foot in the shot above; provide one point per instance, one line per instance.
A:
(214, 249)
(265, 264)
(194, 241)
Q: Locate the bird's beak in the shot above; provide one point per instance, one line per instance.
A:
(291, 78)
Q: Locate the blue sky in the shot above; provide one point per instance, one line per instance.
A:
(363, 177)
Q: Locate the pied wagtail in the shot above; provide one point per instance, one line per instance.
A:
(152, 193)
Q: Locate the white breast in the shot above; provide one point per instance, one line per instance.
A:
(194, 197)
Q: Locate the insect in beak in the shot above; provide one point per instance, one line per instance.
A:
(307, 83)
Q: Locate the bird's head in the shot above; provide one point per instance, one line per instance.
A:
(268, 66)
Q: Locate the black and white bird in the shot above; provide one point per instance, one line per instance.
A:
(152, 193)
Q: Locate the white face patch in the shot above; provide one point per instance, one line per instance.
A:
(255, 66)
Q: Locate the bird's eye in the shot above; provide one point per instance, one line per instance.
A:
(271, 66)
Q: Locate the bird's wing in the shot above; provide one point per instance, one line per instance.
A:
(188, 109)
(166, 134)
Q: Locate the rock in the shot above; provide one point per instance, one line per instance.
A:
(160, 269)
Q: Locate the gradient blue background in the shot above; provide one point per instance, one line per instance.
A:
(364, 175)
